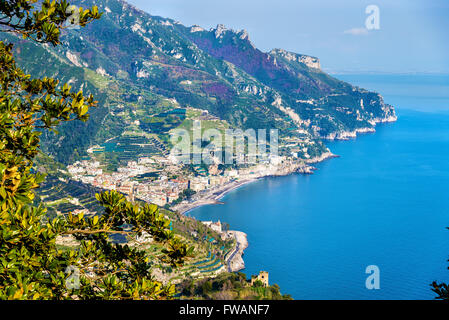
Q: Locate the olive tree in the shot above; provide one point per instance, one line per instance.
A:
(31, 264)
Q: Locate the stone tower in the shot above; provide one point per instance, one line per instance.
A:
(263, 277)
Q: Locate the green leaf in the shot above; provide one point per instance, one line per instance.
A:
(84, 110)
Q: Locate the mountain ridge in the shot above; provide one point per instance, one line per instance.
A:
(151, 64)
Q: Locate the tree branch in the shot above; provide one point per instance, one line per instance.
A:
(96, 231)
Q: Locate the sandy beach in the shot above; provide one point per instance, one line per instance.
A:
(213, 196)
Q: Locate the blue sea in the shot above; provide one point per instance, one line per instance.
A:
(384, 202)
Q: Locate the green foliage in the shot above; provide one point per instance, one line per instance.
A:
(258, 284)
(188, 193)
(184, 195)
(441, 289)
(42, 24)
(31, 265)
(27, 104)
(229, 286)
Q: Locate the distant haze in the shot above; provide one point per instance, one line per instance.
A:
(412, 36)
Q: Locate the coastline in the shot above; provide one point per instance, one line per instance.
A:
(215, 195)
(235, 262)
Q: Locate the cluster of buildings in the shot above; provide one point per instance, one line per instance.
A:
(131, 180)
(158, 180)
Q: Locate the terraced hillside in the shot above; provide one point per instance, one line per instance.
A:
(140, 67)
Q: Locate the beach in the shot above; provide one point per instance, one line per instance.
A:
(213, 195)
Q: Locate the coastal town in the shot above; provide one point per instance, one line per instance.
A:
(163, 182)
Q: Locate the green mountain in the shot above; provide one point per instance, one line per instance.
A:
(140, 67)
(151, 75)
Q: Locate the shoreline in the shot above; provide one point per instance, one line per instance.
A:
(214, 196)
(235, 262)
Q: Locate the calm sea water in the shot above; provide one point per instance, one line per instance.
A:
(385, 202)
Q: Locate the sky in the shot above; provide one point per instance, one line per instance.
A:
(412, 36)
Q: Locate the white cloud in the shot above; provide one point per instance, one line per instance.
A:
(357, 31)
